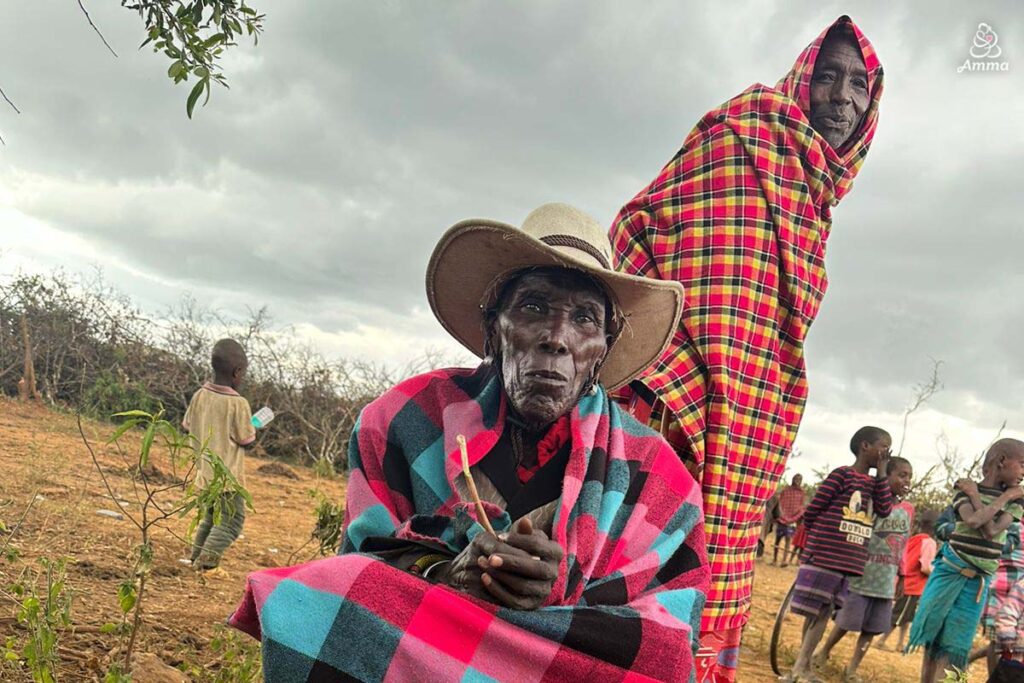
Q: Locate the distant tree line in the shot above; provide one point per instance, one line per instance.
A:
(94, 351)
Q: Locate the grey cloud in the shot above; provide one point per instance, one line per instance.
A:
(356, 132)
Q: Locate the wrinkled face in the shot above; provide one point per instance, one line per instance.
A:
(839, 90)
(900, 478)
(551, 335)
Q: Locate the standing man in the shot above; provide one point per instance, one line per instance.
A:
(740, 217)
(791, 511)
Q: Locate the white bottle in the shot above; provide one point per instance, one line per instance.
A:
(262, 417)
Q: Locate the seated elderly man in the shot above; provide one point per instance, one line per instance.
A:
(597, 568)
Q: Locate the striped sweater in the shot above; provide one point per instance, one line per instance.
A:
(970, 544)
(839, 519)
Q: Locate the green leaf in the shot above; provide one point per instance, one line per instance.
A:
(193, 96)
(214, 40)
(133, 413)
(126, 596)
(175, 69)
(147, 444)
(125, 426)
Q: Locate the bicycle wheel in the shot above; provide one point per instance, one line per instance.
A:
(782, 653)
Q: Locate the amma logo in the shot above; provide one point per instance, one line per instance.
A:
(984, 52)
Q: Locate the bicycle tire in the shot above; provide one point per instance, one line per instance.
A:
(773, 649)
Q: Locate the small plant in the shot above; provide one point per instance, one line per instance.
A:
(218, 495)
(43, 614)
(329, 519)
(324, 468)
(237, 660)
(954, 675)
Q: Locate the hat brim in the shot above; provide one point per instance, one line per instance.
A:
(475, 254)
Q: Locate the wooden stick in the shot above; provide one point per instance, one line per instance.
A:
(480, 512)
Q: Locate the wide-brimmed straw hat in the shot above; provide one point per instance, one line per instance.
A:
(475, 255)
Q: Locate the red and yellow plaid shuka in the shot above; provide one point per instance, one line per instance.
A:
(740, 217)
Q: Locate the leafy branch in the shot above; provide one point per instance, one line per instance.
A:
(194, 35)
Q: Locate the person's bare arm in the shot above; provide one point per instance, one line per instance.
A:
(970, 489)
(982, 516)
(1001, 523)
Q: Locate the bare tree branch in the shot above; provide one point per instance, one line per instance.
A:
(8, 100)
(95, 28)
(922, 392)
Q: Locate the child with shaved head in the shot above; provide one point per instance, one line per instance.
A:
(951, 606)
(221, 420)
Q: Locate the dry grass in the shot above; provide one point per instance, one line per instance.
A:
(770, 586)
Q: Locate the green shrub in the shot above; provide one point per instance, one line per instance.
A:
(110, 394)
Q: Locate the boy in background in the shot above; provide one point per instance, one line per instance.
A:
(951, 605)
(839, 523)
(867, 608)
(791, 511)
(917, 565)
(219, 418)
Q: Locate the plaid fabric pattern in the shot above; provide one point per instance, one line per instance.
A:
(817, 589)
(1010, 571)
(630, 590)
(791, 505)
(740, 217)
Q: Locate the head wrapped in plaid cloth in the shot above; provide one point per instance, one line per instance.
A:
(740, 216)
(630, 573)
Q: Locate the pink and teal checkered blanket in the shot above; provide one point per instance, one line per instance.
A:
(625, 607)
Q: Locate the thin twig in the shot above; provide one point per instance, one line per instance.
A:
(480, 511)
(95, 28)
(8, 99)
(295, 552)
(18, 525)
(103, 477)
(922, 394)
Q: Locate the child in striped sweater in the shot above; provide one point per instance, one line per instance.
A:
(839, 522)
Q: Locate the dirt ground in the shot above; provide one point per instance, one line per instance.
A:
(43, 458)
(42, 454)
(770, 587)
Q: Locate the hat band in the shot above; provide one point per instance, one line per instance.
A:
(576, 243)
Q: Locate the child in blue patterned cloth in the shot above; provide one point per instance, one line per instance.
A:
(950, 608)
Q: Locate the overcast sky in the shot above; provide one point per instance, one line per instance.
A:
(355, 133)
